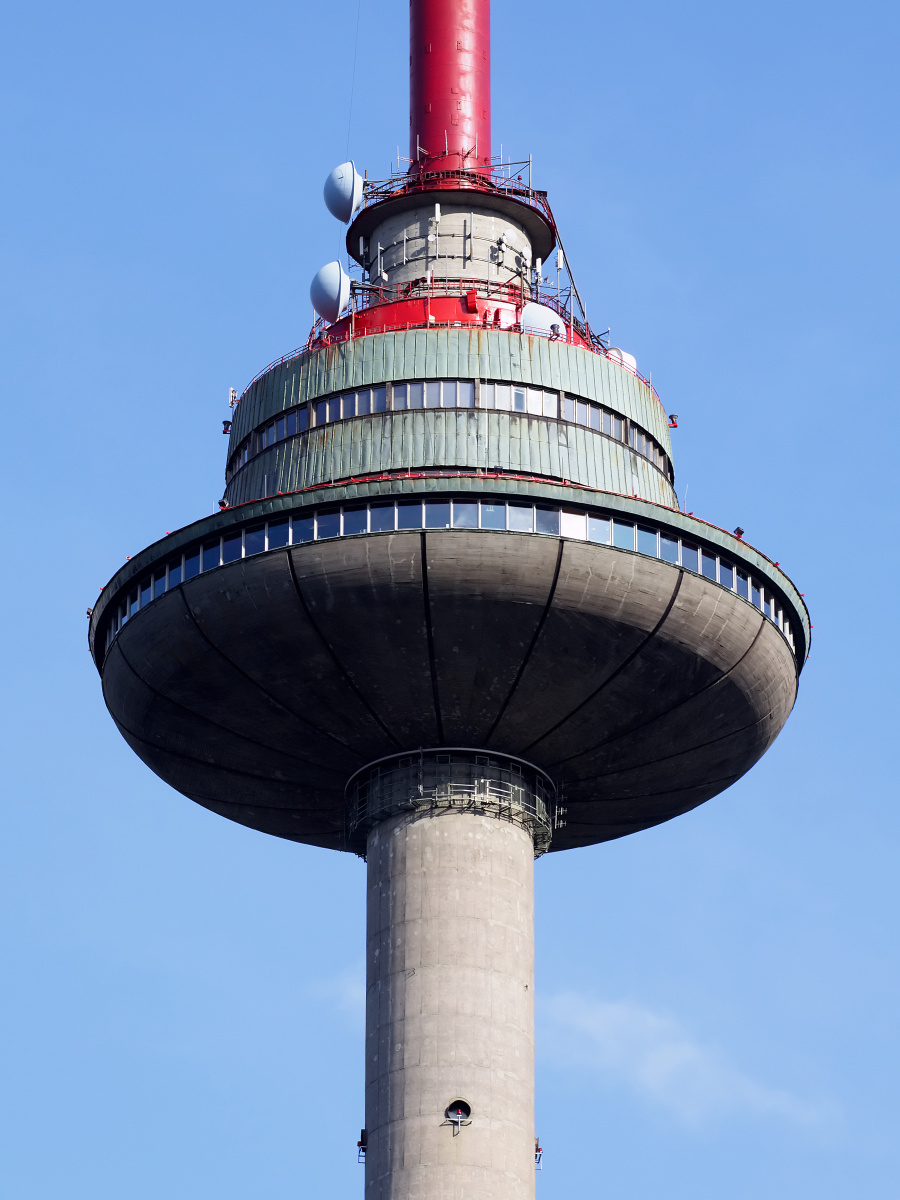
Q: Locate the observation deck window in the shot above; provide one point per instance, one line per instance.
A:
(623, 535)
(381, 517)
(546, 520)
(409, 514)
(446, 394)
(279, 534)
(598, 529)
(516, 515)
(647, 541)
(304, 529)
(465, 514)
(521, 517)
(572, 524)
(328, 525)
(254, 540)
(668, 548)
(493, 516)
(356, 520)
(437, 514)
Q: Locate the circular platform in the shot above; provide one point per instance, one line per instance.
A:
(258, 688)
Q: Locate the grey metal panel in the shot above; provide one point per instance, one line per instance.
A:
(453, 438)
(464, 353)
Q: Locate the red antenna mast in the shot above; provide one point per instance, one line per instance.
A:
(449, 84)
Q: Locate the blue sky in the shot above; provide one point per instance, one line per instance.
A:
(717, 998)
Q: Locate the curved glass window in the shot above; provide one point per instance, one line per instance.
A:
(451, 393)
(385, 516)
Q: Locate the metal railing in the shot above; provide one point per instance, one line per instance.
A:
(452, 779)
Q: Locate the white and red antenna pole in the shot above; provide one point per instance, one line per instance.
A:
(449, 84)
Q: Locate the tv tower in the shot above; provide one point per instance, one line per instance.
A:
(450, 617)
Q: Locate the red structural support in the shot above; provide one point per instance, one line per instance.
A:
(449, 84)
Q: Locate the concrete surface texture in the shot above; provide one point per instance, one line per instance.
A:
(257, 689)
(450, 1008)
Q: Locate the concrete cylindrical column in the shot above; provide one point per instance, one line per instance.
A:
(450, 1007)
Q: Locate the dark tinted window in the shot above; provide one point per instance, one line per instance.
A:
(231, 551)
(279, 534)
(191, 568)
(321, 412)
(379, 401)
(303, 530)
(726, 573)
(356, 520)
(754, 593)
(742, 585)
(328, 525)
(437, 514)
(709, 565)
(211, 554)
(646, 541)
(363, 403)
(381, 517)
(302, 419)
(690, 557)
(409, 515)
(159, 583)
(255, 539)
(348, 404)
(146, 591)
(668, 548)
(291, 423)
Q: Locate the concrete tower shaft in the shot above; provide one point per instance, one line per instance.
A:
(450, 1008)
(449, 84)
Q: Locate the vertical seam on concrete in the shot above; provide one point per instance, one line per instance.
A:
(334, 658)
(209, 721)
(619, 669)
(532, 643)
(429, 633)
(684, 700)
(259, 686)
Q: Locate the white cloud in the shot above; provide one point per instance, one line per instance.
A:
(656, 1057)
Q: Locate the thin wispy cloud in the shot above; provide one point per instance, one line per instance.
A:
(656, 1057)
(344, 992)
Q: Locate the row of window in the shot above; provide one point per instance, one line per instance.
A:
(516, 515)
(451, 393)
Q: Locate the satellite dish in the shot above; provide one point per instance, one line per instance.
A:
(623, 357)
(343, 191)
(540, 318)
(330, 291)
